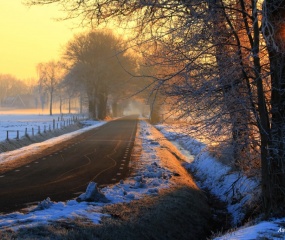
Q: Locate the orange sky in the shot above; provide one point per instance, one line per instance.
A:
(29, 36)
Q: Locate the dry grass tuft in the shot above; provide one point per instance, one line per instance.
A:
(177, 213)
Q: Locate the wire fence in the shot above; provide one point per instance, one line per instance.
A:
(56, 124)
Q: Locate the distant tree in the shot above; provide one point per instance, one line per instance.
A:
(50, 75)
(73, 85)
(97, 60)
(11, 86)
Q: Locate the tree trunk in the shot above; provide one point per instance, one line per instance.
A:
(102, 105)
(50, 103)
(43, 100)
(60, 105)
(92, 108)
(275, 193)
(274, 169)
(69, 105)
(232, 82)
(92, 103)
(155, 113)
(115, 109)
(239, 115)
(80, 104)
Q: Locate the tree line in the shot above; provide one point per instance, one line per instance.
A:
(11, 86)
(218, 64)
(95, 66)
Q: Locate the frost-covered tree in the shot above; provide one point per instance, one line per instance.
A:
(214, 68)
(273, 166)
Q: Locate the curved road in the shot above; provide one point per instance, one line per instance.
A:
(100, 155)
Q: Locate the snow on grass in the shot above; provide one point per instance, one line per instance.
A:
(14, 122)
(55, 212)
(263, 230)
(149, 175)
(233, 188)
(148, 178)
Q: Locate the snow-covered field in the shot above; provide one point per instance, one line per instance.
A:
(13, 121)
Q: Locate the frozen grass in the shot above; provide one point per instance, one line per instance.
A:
(174, 208)
(240, 193)
(178, 213)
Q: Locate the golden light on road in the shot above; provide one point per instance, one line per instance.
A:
(29, 36)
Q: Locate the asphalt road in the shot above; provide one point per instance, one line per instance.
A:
(101, 155)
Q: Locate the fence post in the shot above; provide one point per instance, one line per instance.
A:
(26, 131)
(7, 137)
(44, 128)
(53, 121)
(33, 132)
(17, 134)
(39, 130)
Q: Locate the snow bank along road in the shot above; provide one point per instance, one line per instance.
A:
(101, 155)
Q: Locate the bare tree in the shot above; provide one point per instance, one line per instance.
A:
(96, 57)
(50, 74)
(72, 86)
(224, 75)
(11, 86)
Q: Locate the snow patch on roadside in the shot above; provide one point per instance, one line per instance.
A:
(233, 188)
(263, 230)
(55, 212)
(148, 177)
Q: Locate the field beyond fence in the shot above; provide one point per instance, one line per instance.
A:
(18, 126)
